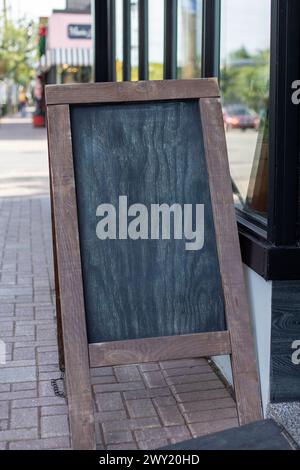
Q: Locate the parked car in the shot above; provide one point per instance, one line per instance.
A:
(240, 117)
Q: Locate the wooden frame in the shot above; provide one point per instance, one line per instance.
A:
(237, 341)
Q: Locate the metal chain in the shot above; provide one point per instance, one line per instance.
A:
(57, 388)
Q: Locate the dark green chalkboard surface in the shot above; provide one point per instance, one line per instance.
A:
(152, 153)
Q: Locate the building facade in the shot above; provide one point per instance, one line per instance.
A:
(254, 50)
(68, 54)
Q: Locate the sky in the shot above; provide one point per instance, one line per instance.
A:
(33, 8)
(243, 22)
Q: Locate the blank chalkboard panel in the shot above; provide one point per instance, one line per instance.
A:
(153, 153)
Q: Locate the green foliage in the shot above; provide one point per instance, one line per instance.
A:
(18, 50)
(245, 79)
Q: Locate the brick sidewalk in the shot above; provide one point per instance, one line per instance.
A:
(143, 406)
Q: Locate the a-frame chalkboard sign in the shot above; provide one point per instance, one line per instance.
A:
(125, 158)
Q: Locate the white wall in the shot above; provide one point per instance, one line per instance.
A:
(260, 300)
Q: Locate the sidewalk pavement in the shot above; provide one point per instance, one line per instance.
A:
(139, 406)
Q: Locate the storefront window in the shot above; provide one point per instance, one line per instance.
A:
(71, 74)
(134, 40)
(119, 40)
(156, 39)
(189, 38)
(244, 76)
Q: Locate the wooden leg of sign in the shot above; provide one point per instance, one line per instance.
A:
(69, 280)
(244, 366)
(60, 340)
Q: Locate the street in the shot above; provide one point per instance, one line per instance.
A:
(23, 158)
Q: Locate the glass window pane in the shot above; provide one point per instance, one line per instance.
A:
(189, 38)
(119, 40)
(156, 39)
(245, 73)
(134, 40)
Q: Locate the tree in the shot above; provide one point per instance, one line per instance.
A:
(18, 50)
(245, 79)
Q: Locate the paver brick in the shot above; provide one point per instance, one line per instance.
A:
(22, 386)
(119, 387)
(54, 410)
(154, 379)
(54, 426)
(105, 416)
(131, 424)
(18, 434)
(141, 408)
(24, 417)
(197, 386)
(36, 402)
(153, 444)
(18, 395)
(203, 429)
(109, 401)
(3, 425)
(147, 393)
(186, 379)
(192, 396)
(48, 358)
(127, 374)
(171, 415)
(210, 415)
(124, 446)
(173, 433)
(41, 444)
(204, 405)
(164, 401)
(17, 374)
(118, 437)
(24, 353)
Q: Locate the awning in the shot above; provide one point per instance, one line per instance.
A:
(73, 57)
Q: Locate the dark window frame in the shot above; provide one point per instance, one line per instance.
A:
(271, 249)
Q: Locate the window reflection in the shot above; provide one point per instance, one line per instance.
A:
(134, 40)
(189, 38)
(119, 40)
(244, 76)
(156, 39)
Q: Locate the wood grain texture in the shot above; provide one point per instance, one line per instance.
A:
(59, 331)
(152, 153)
(70, 283)
(159, 349)
(158, 90)
(285, 375)
(244, 366)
